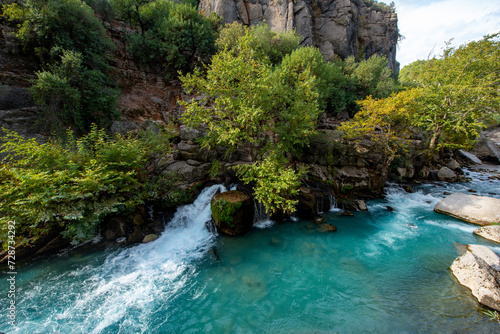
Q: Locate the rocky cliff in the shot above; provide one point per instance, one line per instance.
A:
(336, 27)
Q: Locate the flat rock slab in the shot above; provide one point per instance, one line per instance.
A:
(491, 232)
(477, 269)
(479, 210)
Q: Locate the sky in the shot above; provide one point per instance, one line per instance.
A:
(427, 24)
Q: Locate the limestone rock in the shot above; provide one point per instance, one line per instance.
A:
(469, 157)
(479, 210)
(446, 174)
(361, 205)
(491, 232)
(454, 165)
(488, 147)
(232, 212)
(477, 269)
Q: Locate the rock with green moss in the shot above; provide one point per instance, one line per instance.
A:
(232, 212)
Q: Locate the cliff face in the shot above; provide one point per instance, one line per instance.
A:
(336, 27)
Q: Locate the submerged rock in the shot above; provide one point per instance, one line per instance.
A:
(479, 210)
(327, 228)
(477, 269)
(491, 232)
(232, 212)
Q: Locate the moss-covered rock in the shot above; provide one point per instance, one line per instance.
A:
(232, 212)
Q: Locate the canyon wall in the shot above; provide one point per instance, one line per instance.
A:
(336, 27)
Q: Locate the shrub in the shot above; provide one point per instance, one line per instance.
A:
(72, 184)
(271, 45)
(174, 34)
(72, 96)
(48, 27)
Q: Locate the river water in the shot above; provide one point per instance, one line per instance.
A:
(381, 272)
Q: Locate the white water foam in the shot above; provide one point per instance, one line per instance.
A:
(131, 280)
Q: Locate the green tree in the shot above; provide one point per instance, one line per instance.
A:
(245, 101)
(268, 43)
(174, 34)
(449, 99)
(72, 96)
(47, 27)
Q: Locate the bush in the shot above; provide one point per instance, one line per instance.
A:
(174, 34)
(330, 79)
(271, 45)
(74, 184)
(48, 27)
(71, 96)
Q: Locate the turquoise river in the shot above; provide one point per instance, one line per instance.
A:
(381, 272)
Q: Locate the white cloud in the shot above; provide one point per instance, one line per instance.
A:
(427, 25)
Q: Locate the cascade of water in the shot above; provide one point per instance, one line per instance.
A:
(106, 295)
(333, 203)
(262, 218)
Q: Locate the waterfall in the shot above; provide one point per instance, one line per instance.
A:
(99, 298)
(261, 219)
(334, 206)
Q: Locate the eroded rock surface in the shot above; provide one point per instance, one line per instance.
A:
(479, 210)
(477, 269)
(491, 232)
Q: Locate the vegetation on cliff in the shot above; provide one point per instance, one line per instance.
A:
(71, 45)
(173, 34)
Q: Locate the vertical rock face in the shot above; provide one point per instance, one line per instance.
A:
(336, 27)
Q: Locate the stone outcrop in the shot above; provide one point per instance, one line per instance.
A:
(488, 147)
(478, 270)
(336, 27)
(232, 212)
(446, 174)
(491, 232)
(479, 210)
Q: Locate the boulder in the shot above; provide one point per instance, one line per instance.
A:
(454, 165)
(477, 269)
(488, 146)
(479, 210)
(361, 205)
(491, 232)
(469, 157)
(446, 174)
(312, 201)
(232, 212)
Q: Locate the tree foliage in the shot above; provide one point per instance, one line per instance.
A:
(72, 96)
(72, 184)
(274, 46)
(449, 99)
(245, 100)
(174, 34)
(48, 27)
